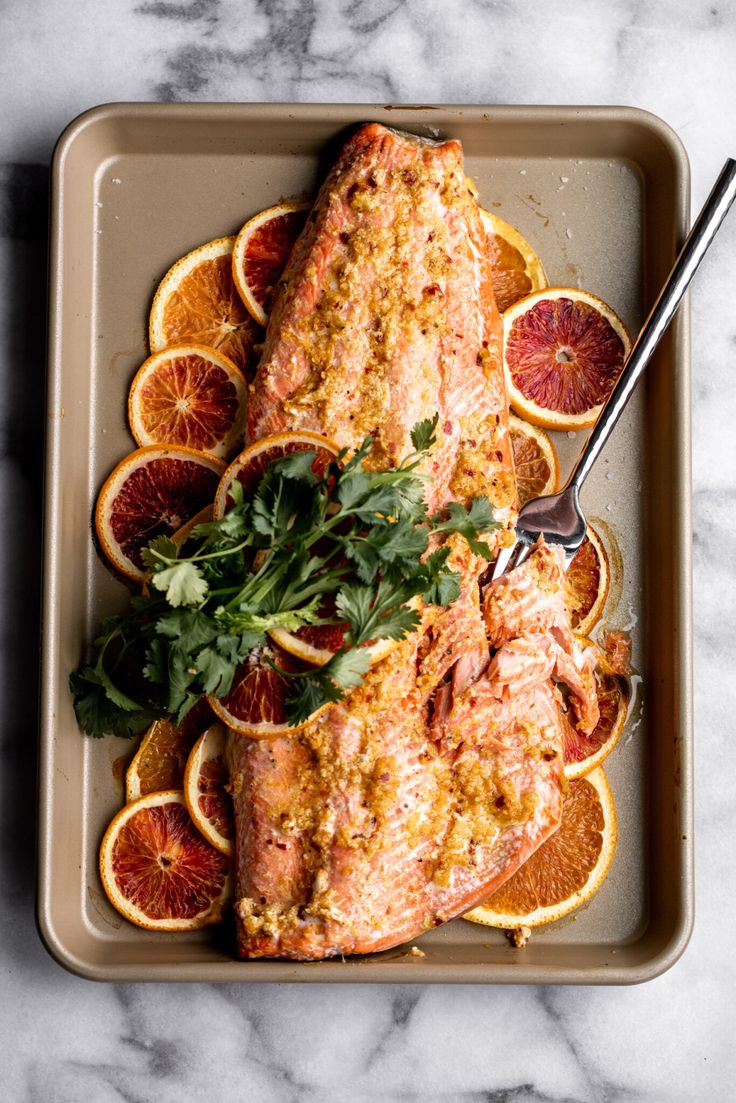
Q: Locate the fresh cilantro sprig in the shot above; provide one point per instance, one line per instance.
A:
(348, 547)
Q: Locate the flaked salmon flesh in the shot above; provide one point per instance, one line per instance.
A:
(417, 796)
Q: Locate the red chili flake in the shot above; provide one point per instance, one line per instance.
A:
(447, 427)
(469, 472)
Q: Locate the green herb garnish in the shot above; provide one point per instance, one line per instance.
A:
(348, 547)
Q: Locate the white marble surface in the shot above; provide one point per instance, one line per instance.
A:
(63, 1039)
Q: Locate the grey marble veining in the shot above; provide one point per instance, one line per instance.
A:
(63, 1039)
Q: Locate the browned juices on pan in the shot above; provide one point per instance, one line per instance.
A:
(419, 794)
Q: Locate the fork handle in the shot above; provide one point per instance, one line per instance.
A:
(696, 244)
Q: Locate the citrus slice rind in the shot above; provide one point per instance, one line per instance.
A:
(588, 579)
(535, 460)
(158, 871)
(181, 535)
(261, 251)
(197, 303)
(161, 758)
(568, 868)
(255, 703)
(249, 467)
(317, 656)
(152, 491)
(563, 350)
(205, 794)
(517, 270)
(189, 395)
(585, 753)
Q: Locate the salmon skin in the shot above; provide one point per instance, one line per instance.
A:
(386, 316)
(413, 799)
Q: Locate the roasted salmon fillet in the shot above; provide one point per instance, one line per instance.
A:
(386, 316)
(414, 798)
(387, 816)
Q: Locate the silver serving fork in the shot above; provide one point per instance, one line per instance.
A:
(558, 517)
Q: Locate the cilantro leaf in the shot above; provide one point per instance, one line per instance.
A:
(403, 542)
(191, 625)
(469, 523)
(298, 465)
(444, 589)
(354, 604)
(349, 545)
(347, 668)
(307, 695)
(98, 715)
(182, 583)
(162, 549)
(423, 433)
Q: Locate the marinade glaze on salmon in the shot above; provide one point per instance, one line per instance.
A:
(419, 794)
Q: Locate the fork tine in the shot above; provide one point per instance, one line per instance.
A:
(509, 558)
(523, 551)
(502, 561)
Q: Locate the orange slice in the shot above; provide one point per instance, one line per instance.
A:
(584, 753)
(181, 536)
(261, 251)
(205, 789)
(256, 702)
(535, 460)
(158, 871)
(197, 303)
(161, 759)
(154, 490)
(567, 869)
(250, 465)
(517, 270)
(190, 395)
(588, 580)
(563, 350)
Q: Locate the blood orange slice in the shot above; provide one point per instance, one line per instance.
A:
(584, 752)
(158, 871)
(190, 395)
(535, 460)
(250, 465)
(154, 490)
(181, 536)
(588, 578)
(567, 869)
(563, 352)
(161, 759)
(261, 251)
(197, 302)
(256, 703)
(205, 789)
(517, 270)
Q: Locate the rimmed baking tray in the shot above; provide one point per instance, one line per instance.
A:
(603, 195)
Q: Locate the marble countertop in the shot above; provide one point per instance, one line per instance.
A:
(63, 1039)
